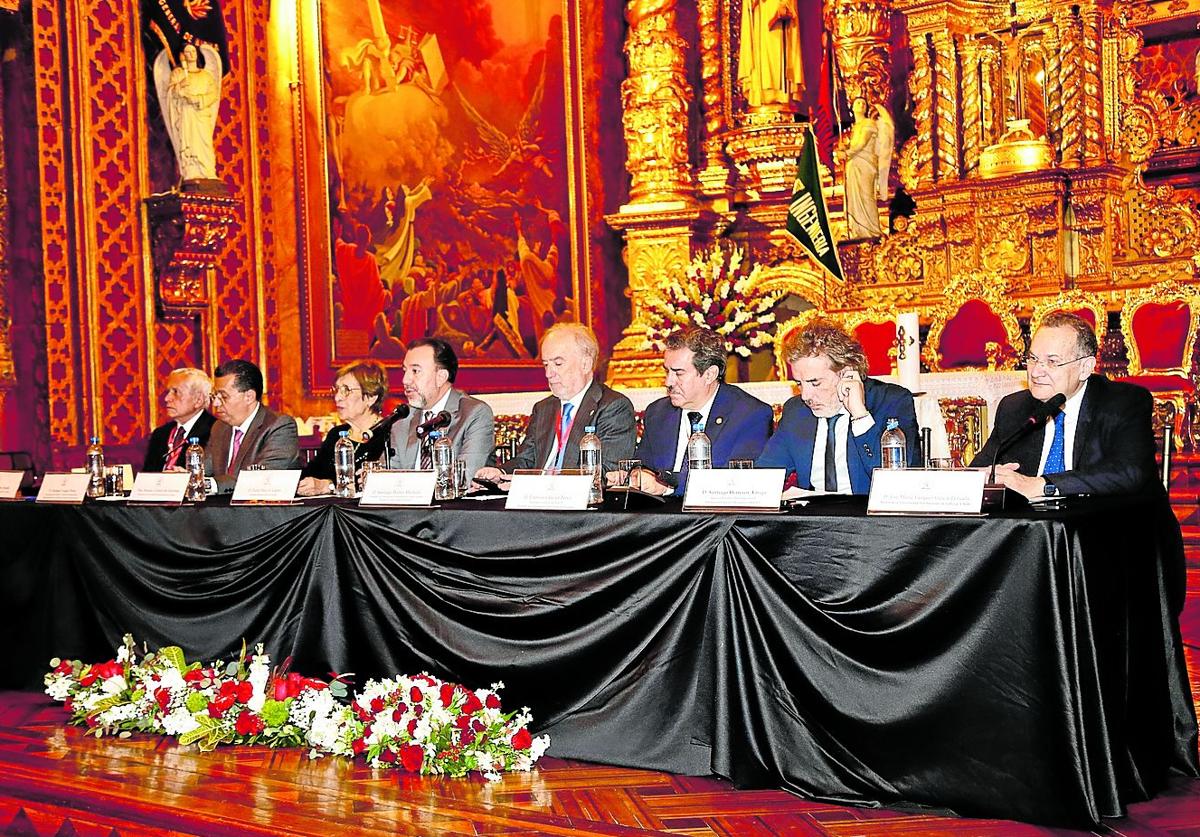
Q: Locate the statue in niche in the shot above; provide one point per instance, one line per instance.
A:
(770, 65)
(189, 103)
(868, 161)
(188, 42)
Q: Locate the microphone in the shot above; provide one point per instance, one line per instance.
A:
(436, 422)
(375, 439)
(1041, 411)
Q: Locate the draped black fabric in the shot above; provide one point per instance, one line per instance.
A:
(1025, 666)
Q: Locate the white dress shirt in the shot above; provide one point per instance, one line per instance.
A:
(575, 400)
(817, 475)
(244, 427)
(685, 428)
(433, 411)
(1071, 411)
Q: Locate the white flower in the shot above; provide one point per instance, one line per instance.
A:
(179, 722)
(59, 688)
(114, 685)
(539, 747)
(258, 675)
(122, 654)
(422, 729)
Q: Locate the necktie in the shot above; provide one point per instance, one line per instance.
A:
(831, 453)
(564, 432)
(176, 447)
(1056, 461)
(694, 419)
(426, 450)
(237, 445)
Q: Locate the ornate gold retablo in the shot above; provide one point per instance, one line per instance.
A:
(1018, 151)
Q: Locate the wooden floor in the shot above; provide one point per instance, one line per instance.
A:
(56, 782)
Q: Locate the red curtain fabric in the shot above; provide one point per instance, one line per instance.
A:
(877, 340)
(966, 335)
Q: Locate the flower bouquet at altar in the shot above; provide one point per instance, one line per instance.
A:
(719, 292)
(419, 724)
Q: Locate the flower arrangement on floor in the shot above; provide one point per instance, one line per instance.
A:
(723, 297)
(419, 724)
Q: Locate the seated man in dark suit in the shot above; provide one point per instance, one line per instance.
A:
(1100, 442)
(248, 433)
(569, 354)
(829, 435)
(736, 423)
(186, 398)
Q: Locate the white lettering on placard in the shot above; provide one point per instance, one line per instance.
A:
(718, 489)
(917, 491)
(398, 488)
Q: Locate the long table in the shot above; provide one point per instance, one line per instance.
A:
(1026, 665)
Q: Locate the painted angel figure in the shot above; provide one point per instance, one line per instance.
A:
(190, 96)
(868, 162)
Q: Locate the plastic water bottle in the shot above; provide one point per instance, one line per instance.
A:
(442, 454)
(193, 460)
(895, 454)
(591, 459)
(95, 466)
(343, 464)
(699, 449)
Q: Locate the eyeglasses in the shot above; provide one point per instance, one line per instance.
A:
(1049, 363)
(219, 397)
(343, 391)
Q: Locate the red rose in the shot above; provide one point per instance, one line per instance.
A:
(493, 701)
(249, 724)
(414, 695)
(397, 715)
(467, 737)
(462, 722)
(411, 757)
(418, 710)
(412, 727)
(376, 705)
(219, 705)
(478, 725)
(522, 740)
(163, 697)
(63, 667)
(245, 691)
(281, 690)
(363, 715)
(447, 694)
(388, 756)
(472, 704)
(358, 746)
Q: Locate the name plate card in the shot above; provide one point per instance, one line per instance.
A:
(68, 489)
(265, 487)
(398, 488)
(554, 492)
(166, 489)
(916, 491)
(735, 490)
(10, 484)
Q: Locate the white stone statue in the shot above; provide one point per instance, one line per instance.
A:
(770, 66)
(868, 161)
(190, 97)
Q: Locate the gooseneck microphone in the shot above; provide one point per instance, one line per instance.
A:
(435, 422)
(375, 440)
(1038, 415)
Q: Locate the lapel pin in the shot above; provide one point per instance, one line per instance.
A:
(719, 419)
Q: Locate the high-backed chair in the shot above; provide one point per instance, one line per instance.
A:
(1159, 324)
(1075, 301)
(973, 333)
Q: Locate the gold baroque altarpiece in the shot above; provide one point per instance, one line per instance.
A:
(1031, 127)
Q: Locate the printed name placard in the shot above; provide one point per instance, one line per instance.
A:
(167, 489)
(63, 488)
(10, 484)
(736, 490)
(258, 487)
(556, 492)
(398, 488)
(916, 491)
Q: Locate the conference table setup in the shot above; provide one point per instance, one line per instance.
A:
(1023, 664)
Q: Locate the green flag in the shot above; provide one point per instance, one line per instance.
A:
(807, 219)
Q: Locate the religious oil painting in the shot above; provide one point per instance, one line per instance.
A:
(447, 138)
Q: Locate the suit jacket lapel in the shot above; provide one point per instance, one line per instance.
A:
(1083, 422)
(251, 437)
(804, 452)
(717, 418)
(584, 417)
(218, 447)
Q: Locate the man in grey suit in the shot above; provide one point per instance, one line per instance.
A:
(569, 354)
(248, 433)
(430, 367)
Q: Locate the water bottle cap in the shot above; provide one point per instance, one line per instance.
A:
(195, 440)
(95, 440)
(434, 435)
(343, 433)
(892, 423)
(591, 428)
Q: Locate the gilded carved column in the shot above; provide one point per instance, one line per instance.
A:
(946, 101)
(662, 213)
(920, 87)
(862, 37)
(973, 54)
(714, 176)
(655, 98)
(1069, 28)
(1092, 19)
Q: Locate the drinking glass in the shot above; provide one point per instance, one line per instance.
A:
(366, 470)
(114, 481)
(625, 470)
(740, 463)
(462, 480)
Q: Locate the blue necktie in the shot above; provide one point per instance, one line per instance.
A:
(1056, 460)
(564, 431)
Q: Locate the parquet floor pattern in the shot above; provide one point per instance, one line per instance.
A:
(57, 782)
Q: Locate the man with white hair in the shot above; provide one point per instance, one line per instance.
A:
(569, 353)
(186, 398)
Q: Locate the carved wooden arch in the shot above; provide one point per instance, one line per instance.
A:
(791, 277)
(989, 288)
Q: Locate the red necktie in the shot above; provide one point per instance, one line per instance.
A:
(176, 447)
(237, 445)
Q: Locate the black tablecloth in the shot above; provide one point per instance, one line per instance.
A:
(1026, 666)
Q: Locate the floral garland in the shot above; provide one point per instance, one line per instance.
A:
(419, 724)
(716, 296)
